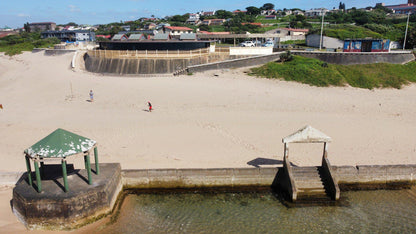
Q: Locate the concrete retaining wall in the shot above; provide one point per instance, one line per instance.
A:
(349, 177)
(148, 65)
(58, 52)
(358, 58)
(198, 178)
(235, 63)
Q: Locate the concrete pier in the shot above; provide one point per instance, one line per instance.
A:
(54, 208)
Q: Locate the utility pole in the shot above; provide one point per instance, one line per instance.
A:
(405, 34)
(322, 28)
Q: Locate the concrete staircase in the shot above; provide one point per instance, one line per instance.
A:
(309, 183)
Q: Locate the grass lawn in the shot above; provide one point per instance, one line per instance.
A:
(318, 73)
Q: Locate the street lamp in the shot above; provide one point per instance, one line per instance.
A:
(407, 26)
(322, 28)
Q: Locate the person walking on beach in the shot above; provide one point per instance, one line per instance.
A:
(150, 106)
(91, 96)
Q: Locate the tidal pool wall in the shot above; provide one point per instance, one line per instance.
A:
(349, 177)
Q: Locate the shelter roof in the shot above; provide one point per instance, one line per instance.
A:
(60, 144)
(119, 37)
(307, 134)
(137, 37)
(188, 36)
(161, 36)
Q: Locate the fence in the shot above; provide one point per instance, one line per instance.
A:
(134, 54)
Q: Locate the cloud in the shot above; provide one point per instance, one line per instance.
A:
(22, 15)
(73, 8)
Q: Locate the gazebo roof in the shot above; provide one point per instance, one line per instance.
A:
(307, 134)
(60, 144)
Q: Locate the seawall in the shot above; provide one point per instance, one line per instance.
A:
(235, 63)
(150, 65)
(359, 58)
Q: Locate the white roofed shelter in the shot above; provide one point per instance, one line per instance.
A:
(307, 134)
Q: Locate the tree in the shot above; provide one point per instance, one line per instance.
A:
(252, 10)
(223, 14)
(341, 6)
(26, 26)
(267, 6)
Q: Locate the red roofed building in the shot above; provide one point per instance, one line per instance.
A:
(238, 11)
(176, 31)
(214, 33)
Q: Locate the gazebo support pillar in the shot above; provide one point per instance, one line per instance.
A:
(29, 170)
(97, 167)
(38, 180)
(64, 175)
(88, 167)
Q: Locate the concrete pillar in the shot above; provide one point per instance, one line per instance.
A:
(64, 175)
(38, 180)
(29, 170)
(97, 167)
(88, 167)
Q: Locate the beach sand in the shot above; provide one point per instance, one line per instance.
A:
(213, 119)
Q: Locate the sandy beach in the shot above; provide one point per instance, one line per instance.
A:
(214, 119)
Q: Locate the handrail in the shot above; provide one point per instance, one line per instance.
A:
(291, 186)
(333, 182)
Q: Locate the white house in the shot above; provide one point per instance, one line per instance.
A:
(316, 12)
(177, 31)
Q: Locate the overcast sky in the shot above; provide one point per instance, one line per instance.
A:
(14, 13)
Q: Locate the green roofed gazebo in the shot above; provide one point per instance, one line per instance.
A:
(60, 144)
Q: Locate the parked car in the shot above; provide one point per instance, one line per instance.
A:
(247, 44)
(268, 44)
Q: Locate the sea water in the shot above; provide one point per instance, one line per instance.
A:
(380, 211)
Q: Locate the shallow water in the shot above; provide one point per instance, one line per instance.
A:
(381, 211)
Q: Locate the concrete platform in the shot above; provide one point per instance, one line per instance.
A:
(55, 209)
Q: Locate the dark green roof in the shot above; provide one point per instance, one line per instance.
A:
(60, 144)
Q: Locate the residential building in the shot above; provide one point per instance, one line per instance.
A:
(292, 31)
(206, 13)
(193, 19)
(42, 26)
(213, 21)
(298, 12)
(268, 12)
(70, 36)
(236, 12)
(126, 27)
(176, 31)
(317, 12)
(150, 26)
